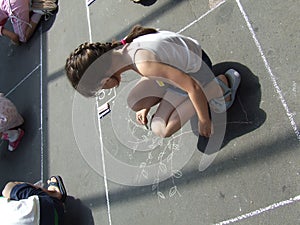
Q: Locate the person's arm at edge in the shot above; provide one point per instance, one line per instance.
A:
(11, 35)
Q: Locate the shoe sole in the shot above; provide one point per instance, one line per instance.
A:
(18, 141)
(234, 79)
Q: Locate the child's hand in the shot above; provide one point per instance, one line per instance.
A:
(205, 128)
(141, 116)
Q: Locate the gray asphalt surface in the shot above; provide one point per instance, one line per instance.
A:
(253, 179)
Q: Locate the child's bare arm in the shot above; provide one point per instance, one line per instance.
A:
(186, 83)
(8, 187)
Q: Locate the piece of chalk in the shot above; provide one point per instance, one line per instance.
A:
(160, 83)
(104, 113)
(89, 2)
(103, 110)
(103, 107)
(140, 119)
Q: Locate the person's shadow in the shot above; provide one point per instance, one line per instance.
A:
(77, 213)
(245, 115)
(146, 2)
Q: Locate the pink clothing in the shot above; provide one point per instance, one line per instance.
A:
(18, 11)
(9, 116)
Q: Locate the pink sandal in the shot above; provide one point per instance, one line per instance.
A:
(13, 145)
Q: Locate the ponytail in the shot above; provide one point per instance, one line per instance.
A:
(87, 53)
(138, 31)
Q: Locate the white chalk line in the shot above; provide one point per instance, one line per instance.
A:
(200, 18)
(261, 210)
(25, 78)
(104, 169)
(290, 115)
(41, 105)
(89, 21)
(100, 134)
(276, 86)
(99, 125)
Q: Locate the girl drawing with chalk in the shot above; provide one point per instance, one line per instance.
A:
(175, 75)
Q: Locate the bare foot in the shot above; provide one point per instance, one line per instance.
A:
(53, 188)
(141, 116)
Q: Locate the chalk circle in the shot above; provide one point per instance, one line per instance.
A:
(90, 136)
(89, 141)
(154, 159)
(131, 134)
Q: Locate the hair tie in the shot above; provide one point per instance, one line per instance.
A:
(123, 41)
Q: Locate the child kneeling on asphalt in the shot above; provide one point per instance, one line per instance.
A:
(10, 119)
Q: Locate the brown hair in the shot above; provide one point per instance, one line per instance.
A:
(87, 53)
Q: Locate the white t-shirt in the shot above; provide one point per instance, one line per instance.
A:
(170, 48)
(22, 212)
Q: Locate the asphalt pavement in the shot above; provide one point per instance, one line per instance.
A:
(119, 173)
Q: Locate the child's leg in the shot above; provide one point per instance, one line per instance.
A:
(228, 85)
(24, 26)
(145, 94)
(213, 89)
(35, 18)
(20, 10)
(173, 112)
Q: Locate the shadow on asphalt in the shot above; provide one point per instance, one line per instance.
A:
(77, 213)
(164, 9)
(245, 115)
(47, 23)
(249, 157)
(146, 2)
